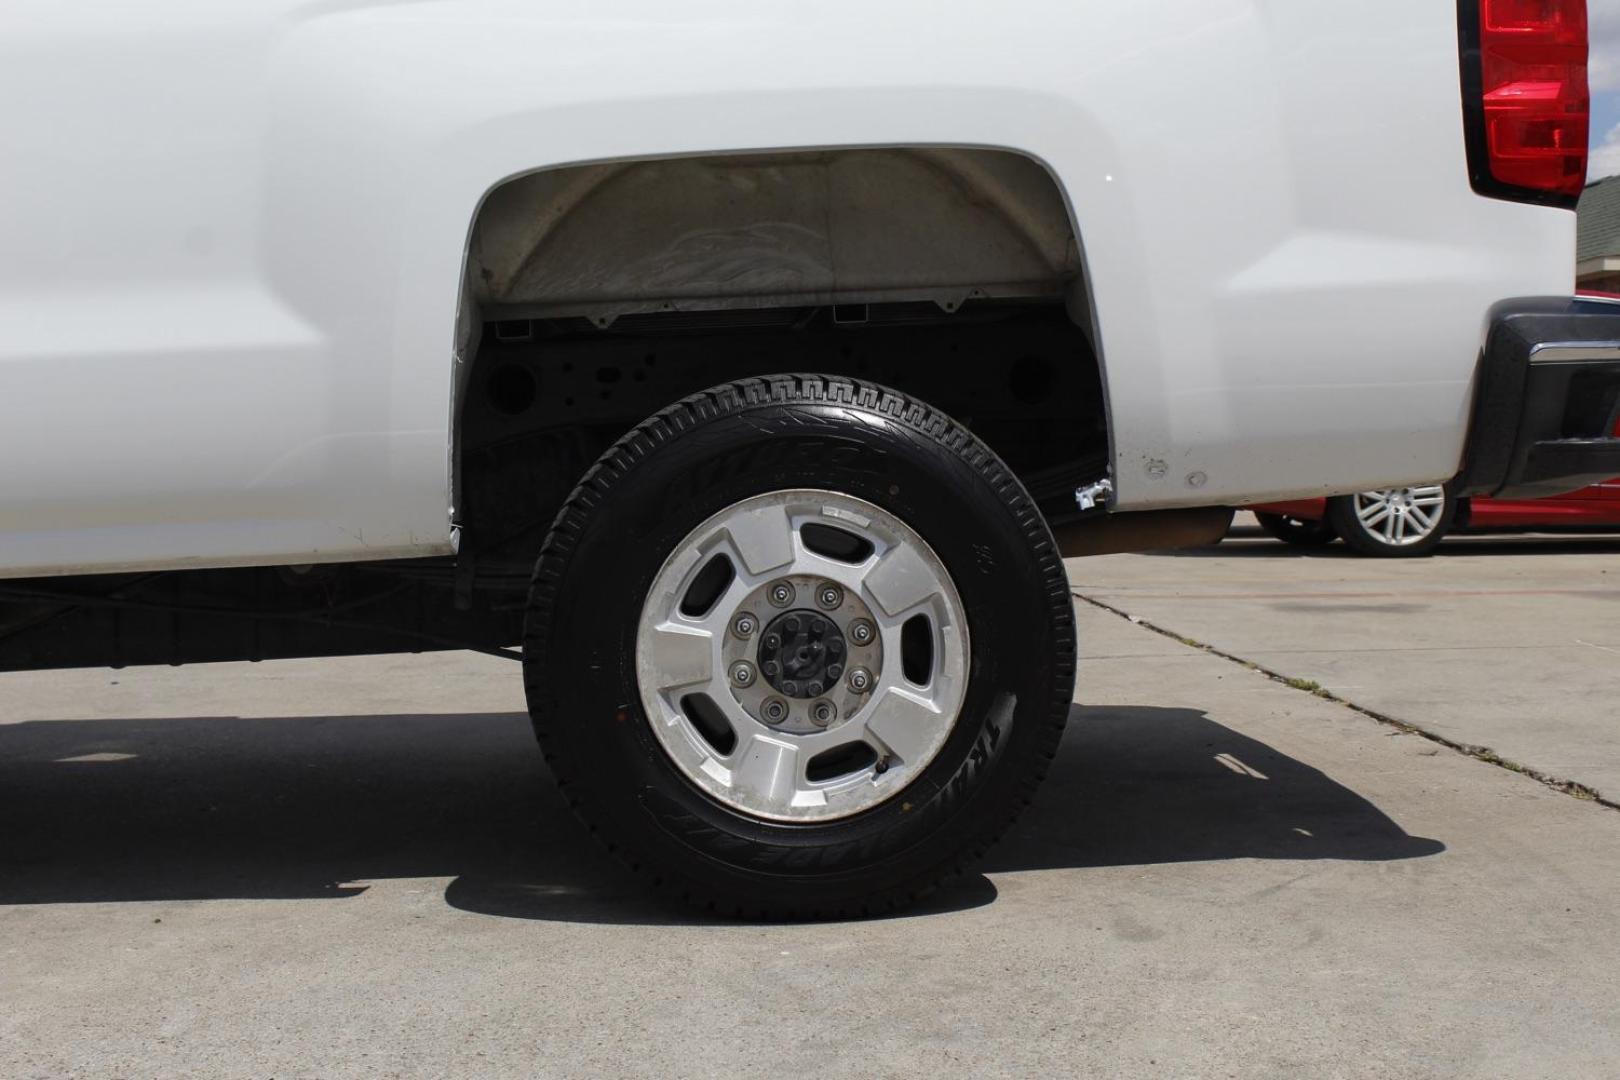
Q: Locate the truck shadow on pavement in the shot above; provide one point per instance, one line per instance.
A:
(319, 807)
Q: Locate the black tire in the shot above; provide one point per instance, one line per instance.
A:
(1300, 532)
(1343, 515)
(707, 453)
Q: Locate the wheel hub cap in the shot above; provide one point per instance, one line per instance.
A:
(802, 658)
(801, 653)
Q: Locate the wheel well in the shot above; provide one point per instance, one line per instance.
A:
(771, 230)
(598, 294)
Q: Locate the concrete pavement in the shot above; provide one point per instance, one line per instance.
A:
(357, 868)
(1510, 643)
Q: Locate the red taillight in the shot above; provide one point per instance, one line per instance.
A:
(1533, 96)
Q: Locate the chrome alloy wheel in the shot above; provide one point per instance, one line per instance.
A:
(802, 655)
(1401, 516)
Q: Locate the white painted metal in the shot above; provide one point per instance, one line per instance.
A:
(232, 235)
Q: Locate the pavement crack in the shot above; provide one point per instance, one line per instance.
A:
(1571, 788)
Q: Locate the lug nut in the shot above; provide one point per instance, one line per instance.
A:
(790, 687)
(742, 673)
(834, 671)
(814, 689)
(781, 594)
(860, 680)
(744, 625)
(774, 710)
(771, 668)
(822, 713)
(829, 596)
(862, 632)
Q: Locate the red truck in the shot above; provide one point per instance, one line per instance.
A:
(1412, 520)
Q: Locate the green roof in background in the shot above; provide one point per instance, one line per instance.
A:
(1599, 226)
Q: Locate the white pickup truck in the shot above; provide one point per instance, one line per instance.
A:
(752, 366)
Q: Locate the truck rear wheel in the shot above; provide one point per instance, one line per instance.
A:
(799, 647)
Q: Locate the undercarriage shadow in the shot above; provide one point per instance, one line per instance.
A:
(1138, 784)
(306, 808)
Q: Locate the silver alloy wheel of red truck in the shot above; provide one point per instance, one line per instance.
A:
(1394, 522)
(799, 646)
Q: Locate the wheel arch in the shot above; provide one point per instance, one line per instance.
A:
(737, 232)
(709, 231)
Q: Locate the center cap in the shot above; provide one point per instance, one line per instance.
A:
(801, 653)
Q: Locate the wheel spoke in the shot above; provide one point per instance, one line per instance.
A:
(763, 538)
(680, 656)
(1422, 518)
(1372, 520)
(767, 769)
(900, 581)
(903, 723)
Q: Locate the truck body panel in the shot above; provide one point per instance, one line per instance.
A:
(233, 242)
